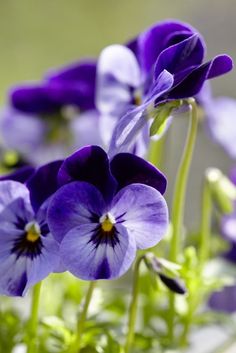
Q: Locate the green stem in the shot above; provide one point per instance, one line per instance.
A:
(81, 322)
(204, 247)
(133, 308)
(33, 321)
(205, 230)
(179, 202)
(155, 153)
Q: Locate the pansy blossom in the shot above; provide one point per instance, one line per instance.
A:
(105, 210)
(28, 251)
(162, 64)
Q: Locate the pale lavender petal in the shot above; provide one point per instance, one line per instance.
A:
(221, 123)
(89, 261)
(72, 205)
(143, 211)
(117, 73)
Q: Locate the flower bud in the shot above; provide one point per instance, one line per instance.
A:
(223, 191)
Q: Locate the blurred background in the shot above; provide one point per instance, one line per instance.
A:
(38, 35)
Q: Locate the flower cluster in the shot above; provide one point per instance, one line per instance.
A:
(90, 212)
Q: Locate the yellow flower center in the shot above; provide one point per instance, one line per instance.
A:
(32, 232)
(107, 222)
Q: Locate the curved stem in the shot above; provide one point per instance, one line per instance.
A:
(133, 308)
(179, 201)
(204, 247)
(81, 322)
(33, 321)
(205, 230)
(155, 153)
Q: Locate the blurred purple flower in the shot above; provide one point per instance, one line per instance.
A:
(48, 120)
(105, 211)
(220, 119)
(28, 251)
(162, 64)
(224, 300)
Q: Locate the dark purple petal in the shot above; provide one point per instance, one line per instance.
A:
(72, 205)
(149, 44)
(143, 211)
(50, 97)
(43, 183)
(89, 164)
(21, 174)
(230, 255)
(194, 82)
(178, 57)
(90, 261)
(78, 72)
(33, 99)
(221, 64)
(128, 169)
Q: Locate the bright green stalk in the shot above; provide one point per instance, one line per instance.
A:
(179, 202)
(155, 153)
(33, 321)
(133, 307)
(82, 319)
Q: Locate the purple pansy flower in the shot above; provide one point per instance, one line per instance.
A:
(162, 64)
(105, 211)
(28, 251)
(48, 120)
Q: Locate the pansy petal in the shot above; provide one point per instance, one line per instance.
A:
(80, 77)
(13, 276)
(84, 165)
(224, 300)
(151, 42)
(143, 211)
(82, 71)
(188, 52)
(22, 174)
(194, 82)
(45, 263)
(22, 132)
(11, 191)
(117, 73)
(33, 99)
(43, 183)
(88, 260)
(128, 169)
(221, 64)
(74, 204)
(135, 119)
(220, 113)
(119, 62)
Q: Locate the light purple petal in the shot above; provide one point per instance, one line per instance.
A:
(87, 261)
(117, 72)
(22, 132)
(131, 124)
(143, 211)
(72, 205)
(221, 123)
